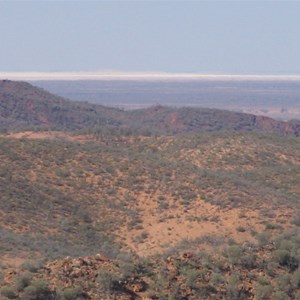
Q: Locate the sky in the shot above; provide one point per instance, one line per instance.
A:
(205, 37)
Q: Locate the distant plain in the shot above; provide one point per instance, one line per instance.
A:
(276, 98)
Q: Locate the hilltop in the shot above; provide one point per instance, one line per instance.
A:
(23, 106)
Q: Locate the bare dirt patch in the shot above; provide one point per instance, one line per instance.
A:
(49, 135)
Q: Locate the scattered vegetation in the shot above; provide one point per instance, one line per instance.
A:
(144, 210)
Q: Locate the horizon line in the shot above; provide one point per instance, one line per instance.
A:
(132, 75)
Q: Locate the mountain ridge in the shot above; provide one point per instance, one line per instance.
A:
(23, 106)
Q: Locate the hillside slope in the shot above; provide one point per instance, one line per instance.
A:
(23, 106)
(64, 197)
(182, 120)
(222, 208)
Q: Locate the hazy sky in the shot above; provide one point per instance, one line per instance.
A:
(255, 37)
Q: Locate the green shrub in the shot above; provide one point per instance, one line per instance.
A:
(263, 292)
(36, 291)
(271, 226)
(241, 229)
(263, 281)
(263, 238)
(32, 266)
(296, 278)
(23, 280)
(297, 295)
(159, 283)
(283, 282)
(284, 258)
(280, 295)
(191, 276)
(234, 253)
(72, 293)
(284, 244)
(217, 278)
(8, 292)
(232, 287)
(127, 269)
(107, 281)
(248, 261)
(271, 268)
(30, 293)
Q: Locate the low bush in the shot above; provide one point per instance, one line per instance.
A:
(8, 292)
(23, 280)
(108, 282)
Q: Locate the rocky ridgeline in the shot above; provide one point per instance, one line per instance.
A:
(188, 276)
(94, 275)
(239, 272)
(91, 277)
